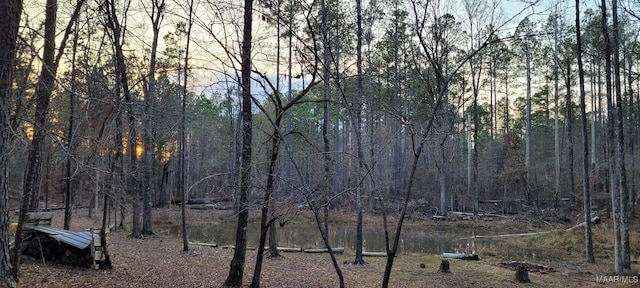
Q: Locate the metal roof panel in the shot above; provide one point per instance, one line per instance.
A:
(80, 240)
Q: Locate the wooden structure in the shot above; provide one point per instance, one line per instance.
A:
(75, 248)
(38, 218)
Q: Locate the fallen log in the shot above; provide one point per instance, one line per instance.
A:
(203, 244)
(374, 254)
(507, 235)
(595, 219)
(461, 256)
(234, 247)
(209, 207)
(286, 249)
(207, 200)
(337, 250)
(479, 215)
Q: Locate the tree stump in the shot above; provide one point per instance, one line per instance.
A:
(444, 267)
(522, 274)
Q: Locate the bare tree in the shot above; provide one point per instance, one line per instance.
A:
(116, 31)
(156, 14)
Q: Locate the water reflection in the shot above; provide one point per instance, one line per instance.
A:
(306, 235)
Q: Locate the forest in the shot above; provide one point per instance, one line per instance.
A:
(402, 109)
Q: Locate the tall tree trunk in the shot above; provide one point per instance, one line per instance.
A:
(149, 95)
(359, 260)
(585, 144)
(10, 12)
(183, 138)
(594, 110)
(69, 179)
(44, 88)
(506, 101)
(556, 98)
(116, 32)
(470, 174)
(569, 111)
(613, 180)
(476, 72)
(273, 235)
(528, 113)
(633, 124)
(398, 161)
(623, 194)
(326, 50)
(237, 263)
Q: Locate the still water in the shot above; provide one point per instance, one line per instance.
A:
(307, 235)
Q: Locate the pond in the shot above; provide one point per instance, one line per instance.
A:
(428, 240)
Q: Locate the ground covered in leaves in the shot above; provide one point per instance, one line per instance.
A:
(159, 261)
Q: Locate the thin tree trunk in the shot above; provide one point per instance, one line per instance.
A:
(476, 73)
(69, 179)
(183, 138)
(325, 109)
(149, 95)
(470, 173)
(442, 178)
(613, 180)
(236, 270)
(393, 249)
(569, 111)
(273, 235)
(116, 31)
(359, 260)
(528, 112)
(265, 222)
(585, 144)
(633, 124)
(556, 127)
(506, 101)
(624, 204)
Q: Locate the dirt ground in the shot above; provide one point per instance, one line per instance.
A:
(159, 261)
